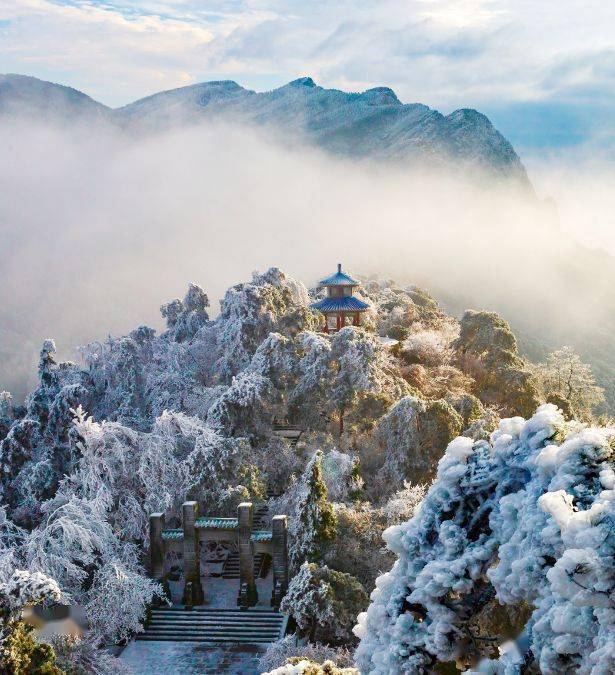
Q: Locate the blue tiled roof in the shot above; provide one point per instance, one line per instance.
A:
(217, 523)
(346, 304)
(257, 535)
(261, 535)
(339, 279)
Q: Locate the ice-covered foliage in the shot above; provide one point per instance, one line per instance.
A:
(250, 311)
(431, 346)
(280, 651)
(410, 439)
(569, 383)
(81, 656)
(23, 589)
(487, 350)
(314, 524)
(340, 473)
(301, 666)
(118, 601)
(324, 603)
(186, 318)
(343, 377)
(526, 517)
(35, 452)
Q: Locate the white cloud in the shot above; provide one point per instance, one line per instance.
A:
(446, 53)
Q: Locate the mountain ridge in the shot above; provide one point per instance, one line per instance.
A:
(372, 124)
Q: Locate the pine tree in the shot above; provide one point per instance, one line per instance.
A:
(317, 523)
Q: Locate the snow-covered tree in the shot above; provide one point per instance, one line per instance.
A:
(569, 383)
(186, 318)
(361, 369)
(487, 350)
(19, 652)
(315, 518)
(324, 603)
(410, 440)
(250, 311)
(524, 518)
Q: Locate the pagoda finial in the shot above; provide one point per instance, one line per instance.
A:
(339, 268)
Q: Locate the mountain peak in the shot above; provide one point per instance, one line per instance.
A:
(302, 82)
(381, 96)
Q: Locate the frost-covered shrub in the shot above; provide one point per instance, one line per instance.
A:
(357, 548)
(569, 383)
(339, 471)
(402, 505)
(487, 350)
(280, 651)
(279, 460)
(526, 518)
(81, 656)
(300, 666)
(20, 654)
(324, 603)
(410, 440)
(430, 346)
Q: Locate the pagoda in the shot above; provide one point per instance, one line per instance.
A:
(340, 307)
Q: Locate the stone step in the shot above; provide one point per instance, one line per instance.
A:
(262, 631)
(203, 609)
(230, 569)
(212, 624)
(184, 621)
(180, 638)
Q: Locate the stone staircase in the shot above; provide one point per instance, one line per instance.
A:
(291, 433)
(260, 516)
(202, 624)
(230, 569)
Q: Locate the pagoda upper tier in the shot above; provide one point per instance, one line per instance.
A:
(340, 308)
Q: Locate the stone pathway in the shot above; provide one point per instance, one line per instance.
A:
(189, 658)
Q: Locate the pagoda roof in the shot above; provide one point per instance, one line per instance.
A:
(347, 303)
(339, 279)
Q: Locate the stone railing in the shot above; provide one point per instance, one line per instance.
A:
(240, 530)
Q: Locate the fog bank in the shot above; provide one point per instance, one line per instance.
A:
(98, 230)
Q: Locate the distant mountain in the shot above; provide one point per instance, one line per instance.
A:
(30, 98)
(372, 124)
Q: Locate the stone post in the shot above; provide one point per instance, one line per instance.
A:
(279, 553)
(156, 546)
(248, 595)
(193, 590)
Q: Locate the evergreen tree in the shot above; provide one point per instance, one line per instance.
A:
(316, 525)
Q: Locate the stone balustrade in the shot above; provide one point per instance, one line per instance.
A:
(240, 530)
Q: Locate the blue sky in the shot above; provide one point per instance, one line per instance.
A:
(543, 71)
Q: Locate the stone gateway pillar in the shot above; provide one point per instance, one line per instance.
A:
(279, 553)
(156, 546)
(193, 590)
(248, 595)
